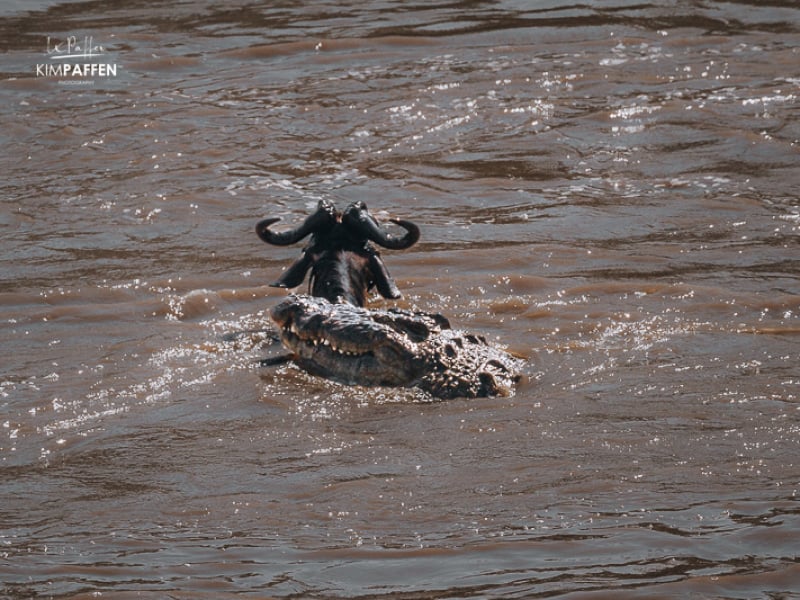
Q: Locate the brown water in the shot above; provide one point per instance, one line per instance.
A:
(608, 188)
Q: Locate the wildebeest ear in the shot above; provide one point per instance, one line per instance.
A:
(295, 274)
(380, 276)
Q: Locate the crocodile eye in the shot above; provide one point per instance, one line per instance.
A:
(415, 331)
(498, 365)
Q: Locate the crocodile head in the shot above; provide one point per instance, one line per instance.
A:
(391, 347)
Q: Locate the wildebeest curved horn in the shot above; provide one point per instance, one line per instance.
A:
(357, 219)
(324, 216)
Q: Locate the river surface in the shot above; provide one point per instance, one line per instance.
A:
(608, 189)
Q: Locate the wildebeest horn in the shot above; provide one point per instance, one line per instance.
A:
(325, 216)
(357, 218)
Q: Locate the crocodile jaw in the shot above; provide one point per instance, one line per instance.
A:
(342, 348)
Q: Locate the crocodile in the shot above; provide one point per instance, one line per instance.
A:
(392, 347)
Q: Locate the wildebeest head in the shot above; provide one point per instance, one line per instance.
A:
(344, 265)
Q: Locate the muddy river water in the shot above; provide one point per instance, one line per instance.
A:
(608, 189)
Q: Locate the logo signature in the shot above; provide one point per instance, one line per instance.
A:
(73, 48)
